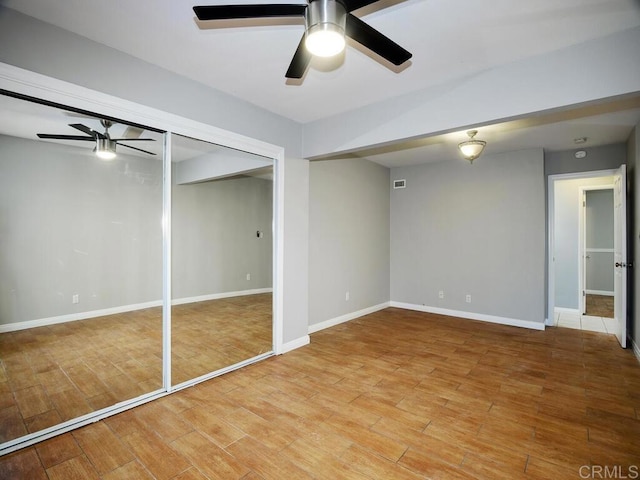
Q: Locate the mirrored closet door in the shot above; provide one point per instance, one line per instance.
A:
(80, 264)
(221, 257)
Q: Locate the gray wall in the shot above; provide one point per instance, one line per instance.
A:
(348, 237)
(471, 229)
(606, 157)
(567, 238)
(72, 224)
(215, 245)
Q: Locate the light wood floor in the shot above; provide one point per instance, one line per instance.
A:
(392, 395)
(52, 374)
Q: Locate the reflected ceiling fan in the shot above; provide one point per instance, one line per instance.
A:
(327, 22)
(105, 145)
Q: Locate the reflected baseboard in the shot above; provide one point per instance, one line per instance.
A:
(72, 317)
(218, 296)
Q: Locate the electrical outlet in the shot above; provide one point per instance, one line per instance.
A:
(75, 298)
(468, 299)
(346, 296)
(441, 294)
(248, 276)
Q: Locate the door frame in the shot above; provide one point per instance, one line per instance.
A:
(582, 243)
(551, 179)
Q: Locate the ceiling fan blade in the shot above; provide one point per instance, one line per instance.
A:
(87, 130)
(375, 41)
(66, 137)
(133, 139)
(300, 61)
(352, 5)
(135, 148)
(132, 132)
(227, 12)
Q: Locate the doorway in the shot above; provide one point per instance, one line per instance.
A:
(568, 252)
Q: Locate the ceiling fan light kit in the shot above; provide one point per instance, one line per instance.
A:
(472, 148)
(105, 149)
(327, 23)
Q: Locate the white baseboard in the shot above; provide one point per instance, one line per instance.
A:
(332, 322)
(293, 344)
(514, 322)
(636, 348)
(606, 293)
(572, 311)
(218, 296)
(72, 317)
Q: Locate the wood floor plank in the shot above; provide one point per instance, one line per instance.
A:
(58, 449)
(156, 455)
(77, 468)
(105, 451)
(23, 464)
(210, 459)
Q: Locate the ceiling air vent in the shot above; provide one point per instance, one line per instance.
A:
(400, 183)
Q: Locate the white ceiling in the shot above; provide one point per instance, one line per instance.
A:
(449, 40)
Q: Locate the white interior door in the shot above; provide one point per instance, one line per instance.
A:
(620, 253)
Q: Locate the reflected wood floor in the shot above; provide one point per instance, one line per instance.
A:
(599, 305)
(52, 374)
(392, 395)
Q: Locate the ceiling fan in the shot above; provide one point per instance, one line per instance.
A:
(327, 22)
(105, 145)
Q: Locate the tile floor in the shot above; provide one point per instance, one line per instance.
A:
(585, 322)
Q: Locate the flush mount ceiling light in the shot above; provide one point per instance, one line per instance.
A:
(105, 149)
(471, 149)
(326, 22)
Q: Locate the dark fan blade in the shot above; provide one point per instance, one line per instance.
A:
(87, 130)
(226, 12)
(134, 148)
(66, 137)
(300, 61)
(133, 139)
(375, 41)
(352, 5)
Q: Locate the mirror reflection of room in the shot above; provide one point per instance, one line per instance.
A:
(222, 250)
(80, 264)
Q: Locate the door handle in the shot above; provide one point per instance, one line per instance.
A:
(619, 264)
